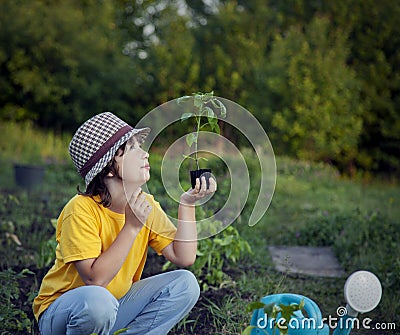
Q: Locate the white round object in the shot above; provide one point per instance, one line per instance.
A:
(363, 291)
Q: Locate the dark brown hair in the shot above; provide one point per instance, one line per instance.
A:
(97, 186)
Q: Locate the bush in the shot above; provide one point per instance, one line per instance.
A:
(12, 318)
(214, 257)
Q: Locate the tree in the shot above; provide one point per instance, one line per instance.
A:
(375, 56)
(159, 41)
(374, 43)
(315, 104)
(60, 62)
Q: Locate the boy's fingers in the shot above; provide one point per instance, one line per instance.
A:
(135, 195)
(203, 184)
(148, 209)
(144, 205)
(213, 185)
(141, 202)
(197, 186)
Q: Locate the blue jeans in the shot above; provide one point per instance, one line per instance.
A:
(152, 306)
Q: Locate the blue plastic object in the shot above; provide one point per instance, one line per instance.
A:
(345, 325)
(309, 324)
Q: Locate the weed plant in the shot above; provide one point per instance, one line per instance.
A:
(215, 256)
(12, 318)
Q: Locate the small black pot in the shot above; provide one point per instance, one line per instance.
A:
(198, 174)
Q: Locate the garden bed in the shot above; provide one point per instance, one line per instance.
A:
(312, 206)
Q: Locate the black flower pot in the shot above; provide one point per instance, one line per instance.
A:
(198, 174)
(28, 176)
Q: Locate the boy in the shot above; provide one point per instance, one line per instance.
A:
(103, 235)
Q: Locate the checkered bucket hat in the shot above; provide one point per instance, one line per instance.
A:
(96, 141)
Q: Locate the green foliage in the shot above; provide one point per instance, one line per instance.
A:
(161, 49)
(47, 250)
(233, 43)
(215, 255)
(28, 145)
(322, 77)
(204, 105)
(26, 228)
(12, 318)
(60, 62)
(361, 246)
(375, 58)
(318, 110)
(323, 74)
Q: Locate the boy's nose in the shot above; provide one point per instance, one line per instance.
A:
(145, 154)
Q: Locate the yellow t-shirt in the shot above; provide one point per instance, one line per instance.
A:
(84, 230)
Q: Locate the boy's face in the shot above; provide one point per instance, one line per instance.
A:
(133, 165)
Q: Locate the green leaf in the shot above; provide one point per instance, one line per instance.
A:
(269, 308)
(209, 112)
(248, 330)
(198, 102)
(287, 311)
(166, 265)
(184, 98)
(186, 116)
(26, 272)
(223, 110)
(301, 305)
(123, 330)
(199, 253)
(284, 330)
(218, 104)
(214, 126)
(226, 241)
(292, 307)
(212, 120)
(188, 157)
(254, 305)
(191, 138)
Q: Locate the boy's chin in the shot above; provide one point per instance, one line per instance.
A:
(135, 183)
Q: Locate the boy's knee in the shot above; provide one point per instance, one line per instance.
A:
(99, 306)
(191, 289)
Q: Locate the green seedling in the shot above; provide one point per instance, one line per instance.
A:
(206, 108)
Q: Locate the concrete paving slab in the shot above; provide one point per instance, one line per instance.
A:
(313, 261)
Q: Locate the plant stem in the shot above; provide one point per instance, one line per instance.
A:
(197, 138)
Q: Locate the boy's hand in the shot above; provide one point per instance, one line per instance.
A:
(190, 197)
(137, 209)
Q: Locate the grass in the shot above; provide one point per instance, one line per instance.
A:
(47, 146)
(312, 205)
